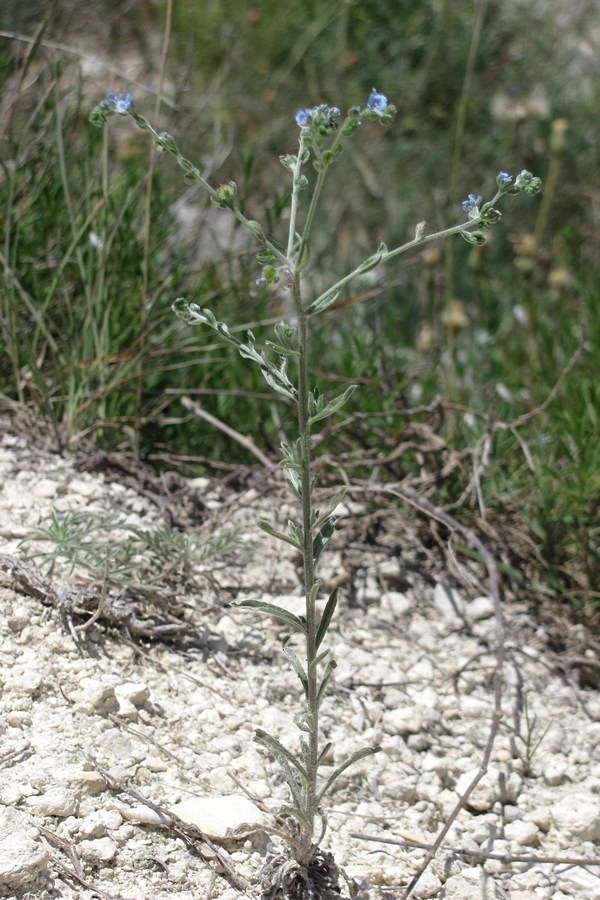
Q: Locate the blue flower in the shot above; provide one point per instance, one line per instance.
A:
(472, 202)
(118, 103)
(377, 102)
(503, 178)
(304, 117)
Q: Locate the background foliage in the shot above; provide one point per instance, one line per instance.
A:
(475, 338)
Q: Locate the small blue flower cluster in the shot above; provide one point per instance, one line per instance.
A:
(119, 104)
(377, 102)
(472, 202)
(318, 115)
(524, 181)
(325, 116)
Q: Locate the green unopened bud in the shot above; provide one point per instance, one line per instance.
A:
(165, 143)
(473, 237)
(490, 216)
(227, 192)
(256, 230)
(270, 275)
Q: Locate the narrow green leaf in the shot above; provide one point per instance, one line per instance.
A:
(293, 479)
(296, 534)
(286, 760)
(318, 659)
(278, 612)
(327, 616)
(323, 536)
(359, 754)
(333, 406)
(294, 811)
(324, 752)
(335, 501)
(322, 302)
(265, 526)
(305, 753)
(296, 664)
(329, 668)
(305, 722)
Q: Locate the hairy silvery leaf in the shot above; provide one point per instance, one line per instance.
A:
(297, 665)
(305, 722)
(329, 669)
(333, 503)
(273, 378)
(293, 479)
(266, 526)
(325, 300)
(324, 752)
(327, 616)
(332, 406)
(360, 754)
(323, 536)
(317, 660)
(292, 454)
(285, 759)
(420, 231)
(278, 612)
(296, 533)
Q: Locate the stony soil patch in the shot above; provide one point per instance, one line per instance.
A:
(102, 731)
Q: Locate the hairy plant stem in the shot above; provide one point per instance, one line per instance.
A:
(307, 828)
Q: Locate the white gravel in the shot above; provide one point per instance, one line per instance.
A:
(175, 723)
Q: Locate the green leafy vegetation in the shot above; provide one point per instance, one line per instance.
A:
(492, 350)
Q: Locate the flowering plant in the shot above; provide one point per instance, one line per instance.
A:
(283, 362)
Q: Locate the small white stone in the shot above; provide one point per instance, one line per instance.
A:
(18, 619)
(523, 832)
(136, 693)
(101, 850)
(470, 883)
(102, 696)
(99, 823)
(576, 816)
(495, 786)
(429, 885)
(449, 603)
(581, 882)
(58, 800)
(404, 720)
(23, 858)
(540, 816)
(480, 608)
(397, 603)
(218, 816)
(82, 487)
(128, 711)
(43, 488)
(87, 783)
(554, 772)
(28, 683)
(512, 813)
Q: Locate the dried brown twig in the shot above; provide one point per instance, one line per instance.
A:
(192, 835)
(532, 858)
(118, 611)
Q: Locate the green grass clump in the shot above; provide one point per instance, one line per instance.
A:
(87, 337)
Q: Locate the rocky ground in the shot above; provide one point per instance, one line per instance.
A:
(127, 714)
